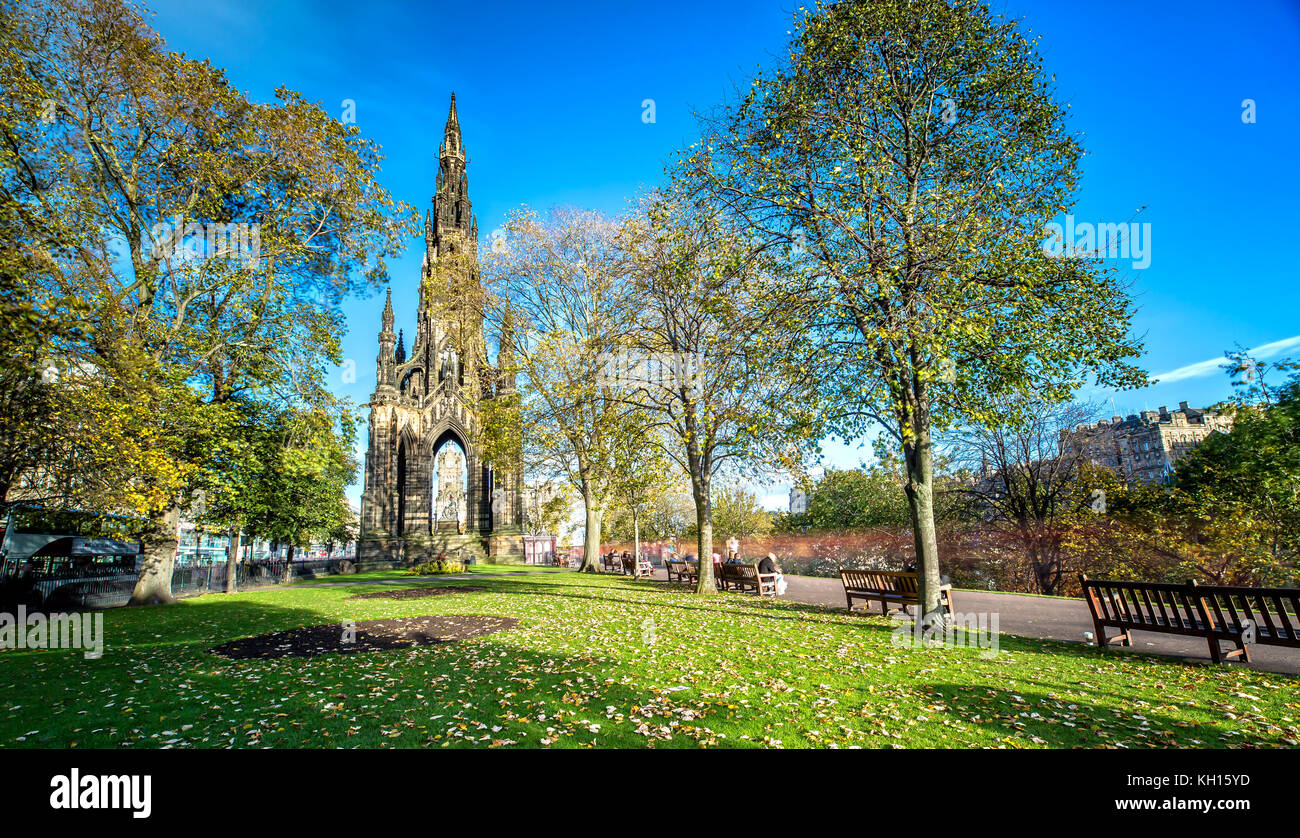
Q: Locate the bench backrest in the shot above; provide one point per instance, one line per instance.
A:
(1144, 604)
(1269, 614)
(1272, 613)
(884, 581)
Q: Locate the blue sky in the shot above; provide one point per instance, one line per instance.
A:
(550, 101)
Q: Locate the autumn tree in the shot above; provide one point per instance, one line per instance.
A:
(712, 362)
(646, 479)
(1030, 488)
(855, 500)
(38, 238)
(909, 154)
(738, 513)
(283, 477)
(549, 509)
(221, 237)
(559, 283)
(666, 515)
(1231, 513)
(304, 463)
(1251, 474)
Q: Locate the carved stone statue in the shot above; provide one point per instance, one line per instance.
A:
(450, 504)
(450, 368)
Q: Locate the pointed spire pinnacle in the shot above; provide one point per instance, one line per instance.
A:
(451, 141)
(400, 356)
(388, 311)
(451, 211)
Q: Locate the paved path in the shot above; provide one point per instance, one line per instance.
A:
(1051, 618)
(1048, 618)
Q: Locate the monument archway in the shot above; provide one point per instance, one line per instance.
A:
(450, 481)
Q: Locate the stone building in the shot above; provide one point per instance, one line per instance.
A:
(428, 487)
(1143, 448)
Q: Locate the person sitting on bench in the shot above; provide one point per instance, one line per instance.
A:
(768, 565)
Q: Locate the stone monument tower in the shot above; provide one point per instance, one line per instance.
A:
(428, 488)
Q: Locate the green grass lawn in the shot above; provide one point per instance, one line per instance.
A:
(383, 575)
(609, 661)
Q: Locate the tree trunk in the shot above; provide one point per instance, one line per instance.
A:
(232, 560)
(920, 505)
(154, 587)
(636, 537)
(704, 524)
(591, 542)
(288, 565)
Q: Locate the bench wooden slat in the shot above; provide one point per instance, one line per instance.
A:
(1178, 607)
(887, 587)
(746, 577)
(1217, 613)
(1280, 607)
(1164, 614)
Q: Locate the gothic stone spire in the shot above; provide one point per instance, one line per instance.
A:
(388, 313)
(385, 364)
(452, 211)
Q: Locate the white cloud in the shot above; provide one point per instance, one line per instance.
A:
(1214, 365)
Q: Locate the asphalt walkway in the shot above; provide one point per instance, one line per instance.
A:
(1048, 618)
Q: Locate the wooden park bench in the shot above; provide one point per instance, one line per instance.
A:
(1219, 613)
(745, 577)
(684, 571)
(888, 587)
(636, 569)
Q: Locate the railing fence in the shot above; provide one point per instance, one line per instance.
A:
(64, 585)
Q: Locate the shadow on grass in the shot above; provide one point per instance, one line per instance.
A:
(1046, 719)
(157, 684)
(736, 603)
(472, 695)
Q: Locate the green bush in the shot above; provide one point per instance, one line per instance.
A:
(438, 566)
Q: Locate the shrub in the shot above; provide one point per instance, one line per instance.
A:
(438, 566)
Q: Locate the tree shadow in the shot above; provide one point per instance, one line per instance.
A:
(1048, 719)
(159, 685)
